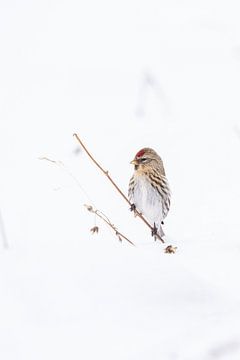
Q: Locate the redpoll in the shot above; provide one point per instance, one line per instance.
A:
(149, 191)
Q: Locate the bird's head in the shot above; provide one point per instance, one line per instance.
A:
(145, 159)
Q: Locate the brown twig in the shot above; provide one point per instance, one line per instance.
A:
(108, 222)
(114, 184)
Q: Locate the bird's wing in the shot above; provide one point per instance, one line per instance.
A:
(131, 188)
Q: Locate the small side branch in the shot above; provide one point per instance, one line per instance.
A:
(108, 222)
(114, 184)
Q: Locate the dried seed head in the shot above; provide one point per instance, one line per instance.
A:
(170, 249)
(94, 230)
(89, 207)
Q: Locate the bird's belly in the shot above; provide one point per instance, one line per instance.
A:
(148, 201)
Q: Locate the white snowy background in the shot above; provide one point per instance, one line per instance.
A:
(123, 75)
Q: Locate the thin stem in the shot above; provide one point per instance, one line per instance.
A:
(120, 235)
(100, 167)
(114, 184)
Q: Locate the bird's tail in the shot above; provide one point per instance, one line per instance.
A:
(160, 231)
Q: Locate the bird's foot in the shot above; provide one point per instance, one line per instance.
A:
(154, 232)
(133, 207)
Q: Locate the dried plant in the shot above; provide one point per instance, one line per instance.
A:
(170, 249)
(104, 218)
(90, 208)
(94, 230)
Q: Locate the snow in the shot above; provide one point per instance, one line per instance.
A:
(123, 75)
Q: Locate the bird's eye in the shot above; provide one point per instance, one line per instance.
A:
(143, 160)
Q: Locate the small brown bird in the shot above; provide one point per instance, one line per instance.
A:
(149, 191)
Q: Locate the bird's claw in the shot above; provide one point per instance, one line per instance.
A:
(154, 231)
(133, 207)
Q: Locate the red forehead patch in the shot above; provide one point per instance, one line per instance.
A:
(140, 153)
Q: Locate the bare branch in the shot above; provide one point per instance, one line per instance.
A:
(50, 160)
(114, 184)
(100, 167)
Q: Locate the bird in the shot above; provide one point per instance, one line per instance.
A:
(149, 191)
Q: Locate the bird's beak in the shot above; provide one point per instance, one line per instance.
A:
(134, 162)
